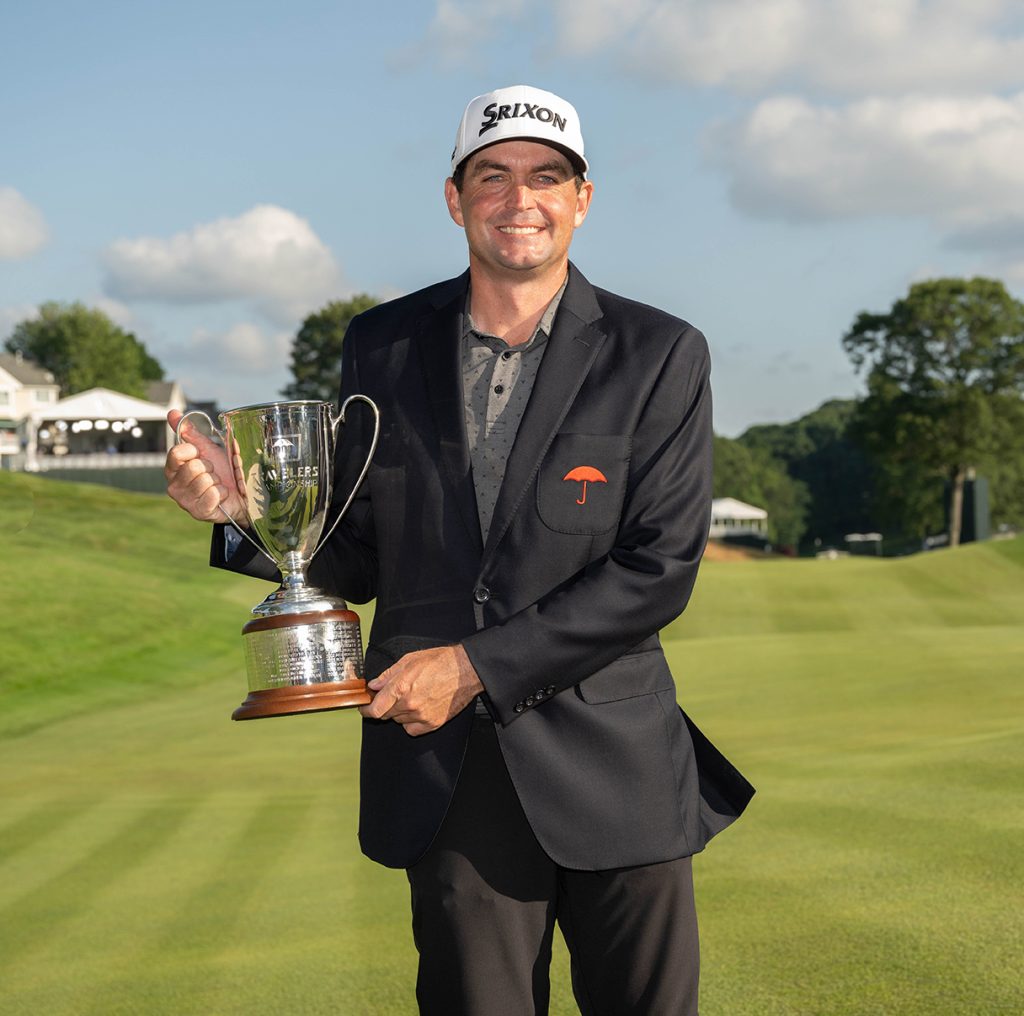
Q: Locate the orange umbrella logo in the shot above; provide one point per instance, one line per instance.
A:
(585, 475)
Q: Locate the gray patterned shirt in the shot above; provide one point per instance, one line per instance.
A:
(497, 380)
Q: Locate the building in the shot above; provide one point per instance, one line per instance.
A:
(99, 435)
(99, 429)
(24, 388)
(732, 518)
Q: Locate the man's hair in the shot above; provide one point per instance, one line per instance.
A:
(459, 177)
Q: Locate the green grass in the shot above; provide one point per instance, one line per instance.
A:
(156, 858)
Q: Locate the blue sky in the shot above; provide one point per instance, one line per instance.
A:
(209, 173)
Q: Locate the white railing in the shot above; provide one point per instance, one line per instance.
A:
(52, 463)
(738, 527)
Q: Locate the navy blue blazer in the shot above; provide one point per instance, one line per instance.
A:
(560, 610)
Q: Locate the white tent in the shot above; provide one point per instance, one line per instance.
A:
(730, 516)
(100, 404)
(101, 409)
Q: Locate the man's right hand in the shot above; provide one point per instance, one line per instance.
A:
(199, 476)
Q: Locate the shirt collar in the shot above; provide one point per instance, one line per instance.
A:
(543, 328)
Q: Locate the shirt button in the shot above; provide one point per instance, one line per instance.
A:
(498, 389)
(507, 355)
(481, 594)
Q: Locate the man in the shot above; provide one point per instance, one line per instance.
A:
(535, 513)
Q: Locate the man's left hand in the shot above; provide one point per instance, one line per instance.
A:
(424, 690)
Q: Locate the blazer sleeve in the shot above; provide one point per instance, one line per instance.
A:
(646, 579)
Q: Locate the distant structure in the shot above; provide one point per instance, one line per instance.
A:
(100, 429)
(731, 518)
(99, 435)
(863, 544)
(24, 388)
(976, 517)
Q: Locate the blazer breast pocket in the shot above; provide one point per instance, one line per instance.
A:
(582, 483)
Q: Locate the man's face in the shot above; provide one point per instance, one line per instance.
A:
(519, 206)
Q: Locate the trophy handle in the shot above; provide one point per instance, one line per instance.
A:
(213, 427)
(366, 465)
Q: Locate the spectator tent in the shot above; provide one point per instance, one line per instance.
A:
(122, 429)
(730, 517)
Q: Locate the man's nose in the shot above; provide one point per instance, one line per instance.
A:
(521, 196)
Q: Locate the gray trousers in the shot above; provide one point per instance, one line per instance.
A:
(485, 899)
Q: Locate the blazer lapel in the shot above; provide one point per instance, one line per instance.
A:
(572, 348)
(441, 358)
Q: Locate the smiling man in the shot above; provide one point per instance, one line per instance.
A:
(536, 511)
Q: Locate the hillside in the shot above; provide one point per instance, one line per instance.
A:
(157, 858)
(109, 600)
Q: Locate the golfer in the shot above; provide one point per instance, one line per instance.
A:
(535, 513)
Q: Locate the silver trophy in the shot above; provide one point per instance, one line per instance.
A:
(303, 650)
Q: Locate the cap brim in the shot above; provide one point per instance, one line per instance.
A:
(578, 164)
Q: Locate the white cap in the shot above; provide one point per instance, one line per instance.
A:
(520, 112)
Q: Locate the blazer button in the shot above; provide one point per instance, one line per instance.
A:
(539, 693)
(518, 707)
(550, 690)
(481, 594)
(530, 700)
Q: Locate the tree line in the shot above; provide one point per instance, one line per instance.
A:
(83, 348)
(944, 378)
(944, 373)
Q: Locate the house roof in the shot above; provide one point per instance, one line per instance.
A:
(28, 372)
(160, 391)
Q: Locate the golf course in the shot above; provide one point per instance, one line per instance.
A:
(156, 858)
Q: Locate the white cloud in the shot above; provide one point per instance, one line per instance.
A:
(14, 315)
(121, 314)
(846, 47)
(268, 255)
(242, 364)
(458, 30)
(953, 161)
(23, 229)
(1013, 272)
(246, 348)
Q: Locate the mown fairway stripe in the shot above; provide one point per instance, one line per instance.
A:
(178, 970)
(38, 915)
(48, 818)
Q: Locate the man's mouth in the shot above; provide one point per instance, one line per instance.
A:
(519, 230)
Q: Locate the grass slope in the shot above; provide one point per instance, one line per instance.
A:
(156, 858)
(877, 706)
(103, 601)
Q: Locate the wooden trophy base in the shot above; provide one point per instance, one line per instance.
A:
(303, 698)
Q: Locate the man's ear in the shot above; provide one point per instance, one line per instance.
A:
(586, 192)
(454, 201)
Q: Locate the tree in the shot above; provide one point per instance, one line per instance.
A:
(83, 349)
(752, 475)
(945, 381)
(818, 451)
(316, 351)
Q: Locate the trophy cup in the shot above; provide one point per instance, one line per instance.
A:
(303, 651)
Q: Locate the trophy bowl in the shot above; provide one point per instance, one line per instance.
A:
(303, 650)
